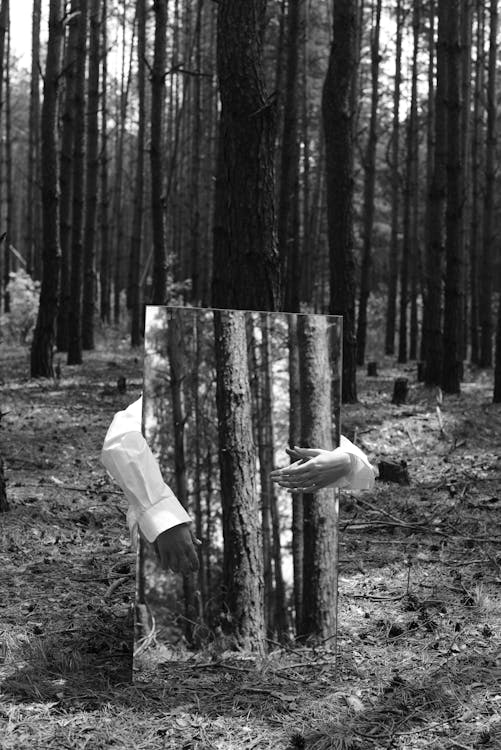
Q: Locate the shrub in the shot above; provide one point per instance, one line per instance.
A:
(17, 325)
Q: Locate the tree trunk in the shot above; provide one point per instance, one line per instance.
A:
(391, 311)
(66, 175)
(4, 28)
(44, 336)
(476, 180)
(33, 197)
(288, 241)
(78, 212)
(157, 150)
(369, 191)
(196, 166)
(297, 497)
(436, 215)
(105, 265)
(243, 573)
(338, 128)
(410, 196)
(486, 272)
(245, 264)
(320, 516)
(138, 217)
(454, 298)
(89, 258)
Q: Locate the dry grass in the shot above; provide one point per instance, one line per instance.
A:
(419, 658)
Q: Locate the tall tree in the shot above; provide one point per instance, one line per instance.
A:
(78, 197)
(454, 289)
(158, 73)
(138, 213)
(410, 195)
(105, 264)
(288, 240)
(92, 177)
(432, 327)
(297, 498)
(338, 128)
(245, 264)
(486, 273)
(33, 178)
(4, 28)
(66, 173)
(44, 335)
(243, 573)
(391, 311)
(369, 189)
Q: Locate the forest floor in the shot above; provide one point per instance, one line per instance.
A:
(419, 644)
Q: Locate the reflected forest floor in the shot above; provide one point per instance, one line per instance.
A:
(419, 657)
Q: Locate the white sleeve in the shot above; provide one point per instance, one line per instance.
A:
(362, 474)
(127, 456)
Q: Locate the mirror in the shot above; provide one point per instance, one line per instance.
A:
(225, 393)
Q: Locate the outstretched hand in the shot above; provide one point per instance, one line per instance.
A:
(176, 549)
(313, 469)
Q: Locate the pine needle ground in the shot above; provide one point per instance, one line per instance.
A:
(419, 658)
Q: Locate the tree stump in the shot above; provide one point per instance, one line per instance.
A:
(390, 471)
(400, 390)
(4, 503)
(372, 369)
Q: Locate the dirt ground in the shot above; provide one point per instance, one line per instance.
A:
(419, 658)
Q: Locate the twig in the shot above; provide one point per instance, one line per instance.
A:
(113, 587)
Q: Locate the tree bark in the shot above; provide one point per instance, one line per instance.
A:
(89, 247)
(432, 330)
(106, 254)
(297, 497)
(245, 263)
(44, 335)
(338, 127)
(157, 150)
(33, 265)
(78, 212)
(369, 191)
(454, 293)
(320, 511)
(243, 573)
(486, 271)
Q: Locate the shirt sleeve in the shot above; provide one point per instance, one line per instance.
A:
(126, 455)
(362, 474)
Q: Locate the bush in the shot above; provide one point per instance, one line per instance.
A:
(17, 325)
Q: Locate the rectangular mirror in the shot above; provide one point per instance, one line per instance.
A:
(225, 393)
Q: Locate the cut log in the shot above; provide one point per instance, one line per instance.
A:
(390, 471)
(400, 390)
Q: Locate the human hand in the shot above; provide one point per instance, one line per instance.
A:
(176, 549)
(313, 469)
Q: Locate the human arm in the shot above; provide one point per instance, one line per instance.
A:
(153, 507)
(316, 468)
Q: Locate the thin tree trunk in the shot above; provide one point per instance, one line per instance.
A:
(196, 164)
(391, 312)
(369, 192)
(436, 214)
(138, 217)
(486, 271)
(44, 335)
(5, 266)
(66, 175)
(33, 197)
(157, 150)
(78, 213)
(297, 498)
(410, 197)
(476, 180)
(89, 248)
(105, 265)
(338, 127)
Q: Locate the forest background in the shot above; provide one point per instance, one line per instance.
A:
(264, 155)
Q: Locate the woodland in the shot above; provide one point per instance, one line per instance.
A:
(271, 156)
